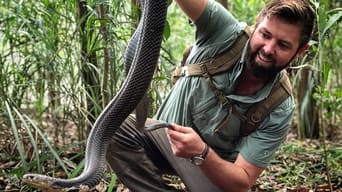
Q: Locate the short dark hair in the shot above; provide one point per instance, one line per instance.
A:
(295, 12)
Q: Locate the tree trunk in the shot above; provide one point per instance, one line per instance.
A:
(52, 79)
(90, 78)
(308, 118)
(106, 62)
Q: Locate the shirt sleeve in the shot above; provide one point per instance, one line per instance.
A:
(269, 135)
(216, 31)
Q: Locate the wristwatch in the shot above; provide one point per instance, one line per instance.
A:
(198, 159)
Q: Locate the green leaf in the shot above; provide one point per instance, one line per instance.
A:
(332, 20)
(78, 170)
(112, 183)
(15, 131)
(32, 139)
(167, 31)
(321, 20)
(326, 72)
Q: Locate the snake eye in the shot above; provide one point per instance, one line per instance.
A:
(28, 177)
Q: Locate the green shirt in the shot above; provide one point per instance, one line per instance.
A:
(192, 103)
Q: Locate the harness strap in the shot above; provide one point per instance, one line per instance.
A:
(258, 112)
(226, 102)
(214, 65)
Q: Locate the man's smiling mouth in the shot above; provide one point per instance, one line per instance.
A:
(264, 59)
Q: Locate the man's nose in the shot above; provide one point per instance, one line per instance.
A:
(270, 47)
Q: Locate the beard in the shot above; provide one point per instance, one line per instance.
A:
(257, 69)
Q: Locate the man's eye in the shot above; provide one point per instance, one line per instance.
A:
(265, 36)
(283, 46)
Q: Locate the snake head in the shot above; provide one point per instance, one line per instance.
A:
(42, 182)
(48, 184)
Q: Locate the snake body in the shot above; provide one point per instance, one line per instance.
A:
(142, 55)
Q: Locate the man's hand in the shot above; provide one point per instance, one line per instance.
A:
(185, 142)
(237, 176)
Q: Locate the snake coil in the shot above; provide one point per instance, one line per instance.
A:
(141, 56)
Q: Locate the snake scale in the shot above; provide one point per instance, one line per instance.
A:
(141, 59)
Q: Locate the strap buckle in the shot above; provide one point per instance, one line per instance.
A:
(184, 71)
(204, 70)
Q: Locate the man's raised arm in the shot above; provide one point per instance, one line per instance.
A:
(192, 8)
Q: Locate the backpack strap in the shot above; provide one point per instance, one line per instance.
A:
(178, 72)
(258, 112)
(214, 65)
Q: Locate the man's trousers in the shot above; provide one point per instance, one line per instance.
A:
(140, 158)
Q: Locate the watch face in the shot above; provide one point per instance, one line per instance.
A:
(197, 160)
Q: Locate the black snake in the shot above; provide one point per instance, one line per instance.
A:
(142, 55)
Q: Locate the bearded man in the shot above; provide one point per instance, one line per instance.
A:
(205, 146)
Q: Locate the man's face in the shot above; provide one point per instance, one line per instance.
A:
(272, 47)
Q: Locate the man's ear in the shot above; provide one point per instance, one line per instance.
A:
(303, 50)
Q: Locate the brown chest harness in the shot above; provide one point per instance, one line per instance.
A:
(253, 117)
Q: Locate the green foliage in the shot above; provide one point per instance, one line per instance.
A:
(321, 73)
(48, 52)
(328, 99)
(326, 77)
(331, 101)
(246, 10)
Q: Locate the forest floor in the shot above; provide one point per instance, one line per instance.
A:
(298, 166)
(304, 166)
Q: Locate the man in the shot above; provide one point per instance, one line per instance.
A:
(208, 158)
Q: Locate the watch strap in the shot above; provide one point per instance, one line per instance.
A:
(198, 159)
(205, 152)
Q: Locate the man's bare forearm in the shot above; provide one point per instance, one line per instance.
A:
(227, 176)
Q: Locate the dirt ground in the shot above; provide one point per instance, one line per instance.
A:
(269, 180)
